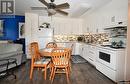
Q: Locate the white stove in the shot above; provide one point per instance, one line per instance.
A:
(110, 61)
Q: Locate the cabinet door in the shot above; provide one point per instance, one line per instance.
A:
(69, 45)
(55, 26)
(81, 50)
(78, 48)
(92, 54)
(76, 27)
(31, 26)
(85, 51)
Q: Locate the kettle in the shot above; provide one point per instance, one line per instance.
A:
(80, 38)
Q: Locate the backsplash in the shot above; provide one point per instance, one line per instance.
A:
(65, 38)
(88, 38)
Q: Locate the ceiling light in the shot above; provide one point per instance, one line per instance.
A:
(52, 11)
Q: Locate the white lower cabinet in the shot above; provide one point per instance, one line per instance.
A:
(78, 48)
(89, 53)
(68, 45)
(85, 52)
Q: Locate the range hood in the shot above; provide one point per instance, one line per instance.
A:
(116, 27)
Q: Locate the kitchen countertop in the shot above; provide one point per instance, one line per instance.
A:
(96, 45)
(109, 48)
(65, 41)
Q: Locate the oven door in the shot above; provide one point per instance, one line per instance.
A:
(107, 58)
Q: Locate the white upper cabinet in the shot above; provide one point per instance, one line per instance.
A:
(76, 26)
(108, 15)
(67, 26)
(61, 26)
(64, 26)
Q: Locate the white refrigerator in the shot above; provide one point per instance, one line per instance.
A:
(43, 36)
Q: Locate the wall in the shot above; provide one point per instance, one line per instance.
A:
(11, 27)
(128, 48)
(101, 18)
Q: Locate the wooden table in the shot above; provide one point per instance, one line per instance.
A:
(46, 52)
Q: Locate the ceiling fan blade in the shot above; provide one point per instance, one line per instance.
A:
(38, 8)
(44, 2)
(63, 6)
(62, 12)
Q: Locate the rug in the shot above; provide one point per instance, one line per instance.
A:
(78, 59)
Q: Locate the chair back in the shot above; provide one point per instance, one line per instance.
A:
(34, 49)
(51, 45)
(60, 56)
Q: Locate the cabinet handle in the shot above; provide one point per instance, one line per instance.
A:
(90, 59)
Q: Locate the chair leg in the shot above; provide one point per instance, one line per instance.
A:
(45, 72)
(31, 72)
(52, 71)
(53, 75)
(70, 68)
(50, 66)
(67, 74)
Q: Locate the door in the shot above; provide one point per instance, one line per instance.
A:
(85, 51)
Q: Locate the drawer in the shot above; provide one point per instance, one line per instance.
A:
(91, 61)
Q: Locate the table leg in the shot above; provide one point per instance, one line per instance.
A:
(45, 72)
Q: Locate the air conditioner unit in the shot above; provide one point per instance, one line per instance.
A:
(80, 10)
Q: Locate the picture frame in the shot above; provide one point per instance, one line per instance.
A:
(21, 30)
(1, 27)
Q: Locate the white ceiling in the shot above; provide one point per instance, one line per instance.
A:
(76, 6)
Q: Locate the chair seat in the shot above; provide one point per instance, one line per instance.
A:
(43, 61)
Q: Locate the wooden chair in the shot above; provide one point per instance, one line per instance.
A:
(35, 44)
(51, 45)
(36, 60)
(60, 62)
(70, 55)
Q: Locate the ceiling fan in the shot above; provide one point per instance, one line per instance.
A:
(52, 8)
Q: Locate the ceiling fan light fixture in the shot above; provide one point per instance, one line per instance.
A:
(52, 8)
(52, 11)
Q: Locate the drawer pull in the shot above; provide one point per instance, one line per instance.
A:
(90, 59)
